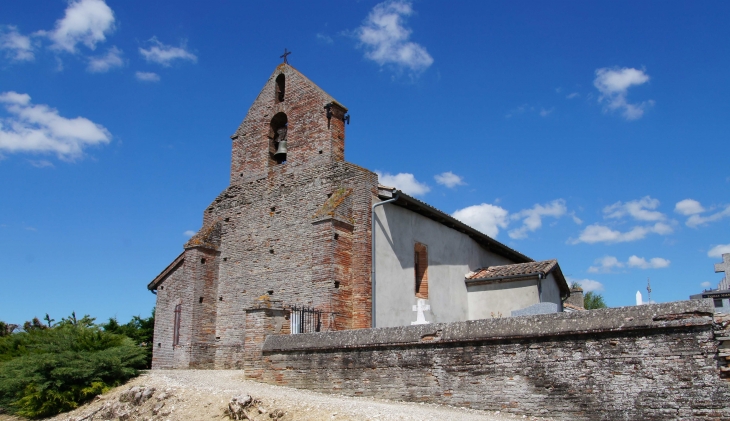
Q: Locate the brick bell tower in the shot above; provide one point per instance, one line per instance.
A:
(290, 108)
(294, 223)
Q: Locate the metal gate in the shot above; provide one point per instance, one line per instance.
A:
(305, 320)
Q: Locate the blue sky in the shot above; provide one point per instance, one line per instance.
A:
(591, 132)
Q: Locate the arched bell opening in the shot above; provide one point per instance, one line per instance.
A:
(277, 139)
(280, 88)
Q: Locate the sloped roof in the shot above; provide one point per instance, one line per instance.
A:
(531, 268)
(520, 270)
(444, 218)
(168, 270)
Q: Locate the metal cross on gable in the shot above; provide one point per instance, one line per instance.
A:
(286, 53)
(724, 267)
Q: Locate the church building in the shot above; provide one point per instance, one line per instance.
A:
(320, 244)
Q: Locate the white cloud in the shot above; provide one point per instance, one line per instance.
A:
(39, 129)
(696, 220)
(654, 263)
(17, 47)
(575, 218)
(614, 83)
(719, 250)
(386, 39)
(640, 210)
(325, 38)
(166, 54)
(605, 264)
(449, 179)
(86, 21)
(189, 233)
(573, 95)
(403, 181)
(588, 285)
(545, 113)
(688, 207)
(42, 163)
(147, 76)
(485, 218)
(532, 218)
(597, 233)
(705, 284)
(101, 64)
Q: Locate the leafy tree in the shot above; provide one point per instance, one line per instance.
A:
(7, 328)
(35, 324)
(592, 301)
(138, 329)
(47, 370)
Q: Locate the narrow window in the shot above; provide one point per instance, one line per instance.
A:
(718, 302)
(176, 325)
(421, 270)
(280, 88)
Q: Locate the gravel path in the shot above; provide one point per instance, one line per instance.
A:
(204, 395)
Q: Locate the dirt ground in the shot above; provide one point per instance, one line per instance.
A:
(177, 395)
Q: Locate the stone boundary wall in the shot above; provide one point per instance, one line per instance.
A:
(651, 362)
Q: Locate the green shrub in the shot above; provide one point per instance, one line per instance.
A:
(47, 371)
(138, 329)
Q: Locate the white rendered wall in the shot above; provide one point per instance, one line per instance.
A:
(451, 255)
(499, 299)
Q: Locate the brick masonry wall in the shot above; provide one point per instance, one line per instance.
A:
(652, 362)
(298, 233)
(272, 244)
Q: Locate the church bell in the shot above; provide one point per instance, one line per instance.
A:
(281, 150)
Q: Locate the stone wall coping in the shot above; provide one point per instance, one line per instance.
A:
(644, 317)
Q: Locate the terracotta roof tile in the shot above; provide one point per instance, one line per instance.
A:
(573, 307)
(492, 272)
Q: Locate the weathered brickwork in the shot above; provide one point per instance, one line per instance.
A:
(296, 232)
(654, 362)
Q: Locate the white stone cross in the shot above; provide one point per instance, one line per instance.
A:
(724, 267)
(420, 308)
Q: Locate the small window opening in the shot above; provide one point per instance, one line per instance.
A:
(421, 270)
(273, 208)
(176, 325)
(337, 236)
(270, 292)
(271, 251)
(225, 259)
(718, 302)
(220, 298)
(320, 151)
(161, 288)
(202, 261)
(227, 219)
(280, 88)
(337, 284)
(200, 300)
(278, 129)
